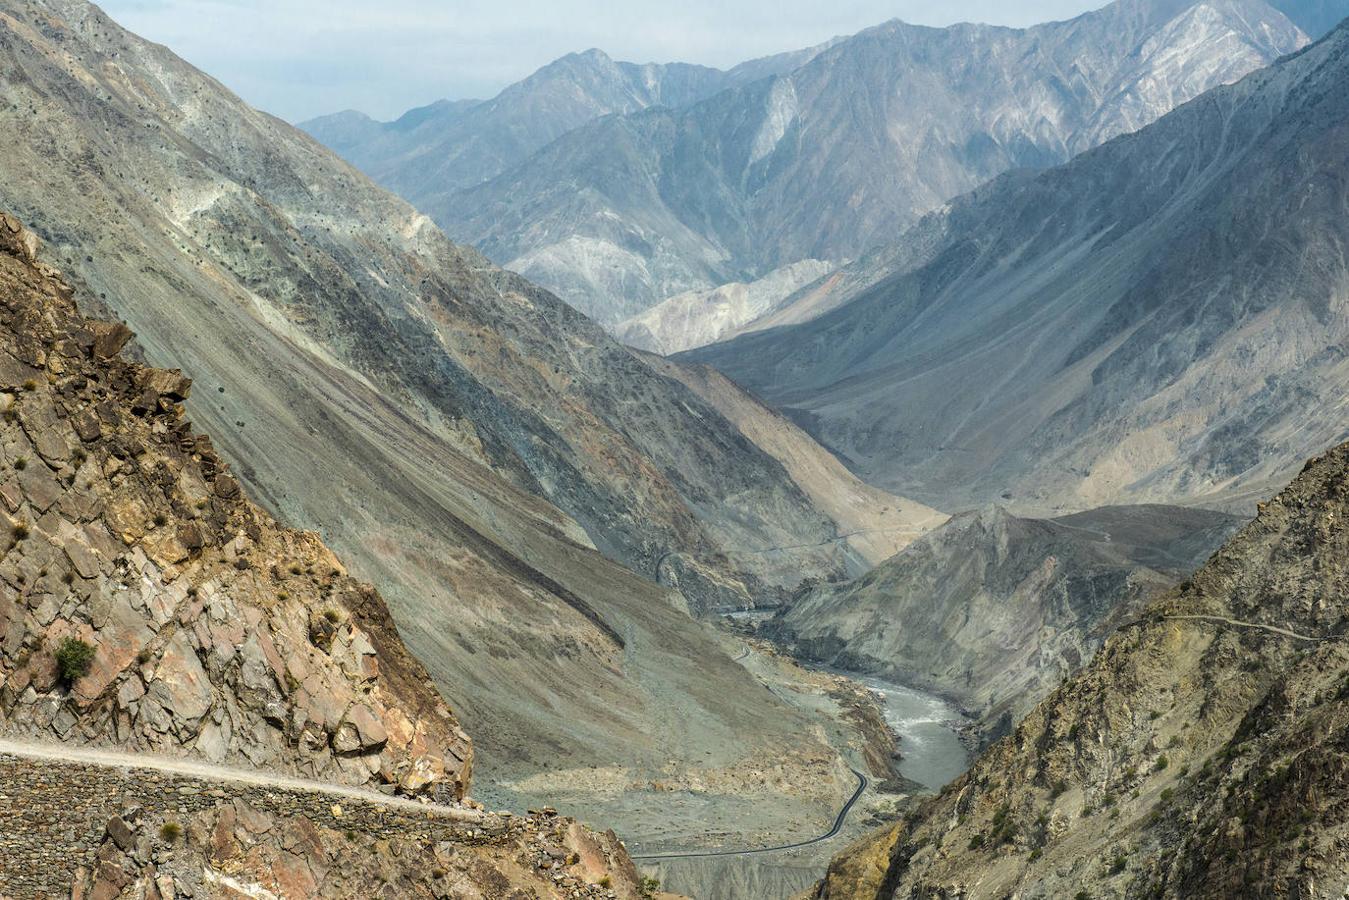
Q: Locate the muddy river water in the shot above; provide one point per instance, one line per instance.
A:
(929, 743)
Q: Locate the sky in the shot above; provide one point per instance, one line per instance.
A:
(302, 58)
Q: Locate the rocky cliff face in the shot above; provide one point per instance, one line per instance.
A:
(1163, 317)
(1199, 755)
(419, 407)
(214, 631)
(839, 155)
(995, 610)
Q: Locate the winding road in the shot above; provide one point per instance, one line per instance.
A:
(839, 822)
(1273, 629)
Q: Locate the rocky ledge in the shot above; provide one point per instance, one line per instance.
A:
(212, 631)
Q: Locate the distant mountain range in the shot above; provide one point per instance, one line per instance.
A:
(685, 180)
(1164, 317)
(433, 151)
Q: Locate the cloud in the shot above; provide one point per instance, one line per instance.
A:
(301, 58)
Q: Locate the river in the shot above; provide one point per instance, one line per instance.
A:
(931, 749)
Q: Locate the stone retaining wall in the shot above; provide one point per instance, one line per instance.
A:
(54, 816)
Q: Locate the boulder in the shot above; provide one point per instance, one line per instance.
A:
(109, 338)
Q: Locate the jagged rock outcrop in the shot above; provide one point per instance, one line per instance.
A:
(215, 632)
(1201, 754)
(1162, 318)
(839, 155)
(995, 610)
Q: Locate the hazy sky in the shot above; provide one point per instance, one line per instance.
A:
(302, 58)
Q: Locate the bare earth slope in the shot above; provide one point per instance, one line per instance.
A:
(873, 525)
(1200, 755)
(1162, 318)
(994, 610)
(840, 154)
(375, 382)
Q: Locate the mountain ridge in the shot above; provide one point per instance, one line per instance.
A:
(834, 157)
(1069, 350)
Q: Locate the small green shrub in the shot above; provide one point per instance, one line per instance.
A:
(1162, 763)
(21, 532)
(74, 658)
(21, 463)
(170, 832)
(977, 842)
(332, 616)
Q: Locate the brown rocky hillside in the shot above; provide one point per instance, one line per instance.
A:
(215, 631)
(1202, 753)
(217, 635)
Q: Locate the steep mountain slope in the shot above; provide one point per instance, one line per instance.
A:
(995, 610)
(842, 153)
(431, 152)
(1200, 755)
(872, 524)
(373, 381)
(1164, 317)
(207, 630)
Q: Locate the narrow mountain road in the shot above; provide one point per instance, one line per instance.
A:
(1273, 629)
(87, 756)
(839, 822)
